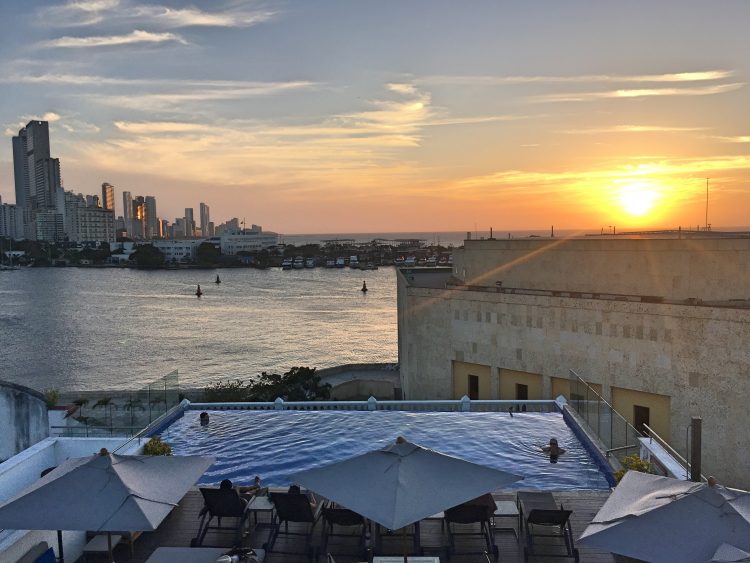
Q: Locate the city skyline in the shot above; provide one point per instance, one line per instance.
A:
(392, 117)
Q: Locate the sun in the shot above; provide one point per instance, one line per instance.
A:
(638, 199)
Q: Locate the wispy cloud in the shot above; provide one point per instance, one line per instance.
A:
(490, 80)
(136, 36)
(83, 13)
(70, 123)
(733, 139)
(637, 93)
(631, 129)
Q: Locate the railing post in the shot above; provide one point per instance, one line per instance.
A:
(372, 403)
(278, 404)
(695, 449)
(465, 404)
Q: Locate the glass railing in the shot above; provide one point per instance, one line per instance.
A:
(616, 434)
(120, 413)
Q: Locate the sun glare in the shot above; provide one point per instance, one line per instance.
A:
(638, 199)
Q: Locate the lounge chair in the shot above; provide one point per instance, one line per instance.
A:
(296, 508)
(478, 511)
(540, 517)
(343, 517)
(221, 503)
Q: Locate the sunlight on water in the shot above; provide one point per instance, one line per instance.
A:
(276, 444)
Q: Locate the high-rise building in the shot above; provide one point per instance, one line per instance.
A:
(152, 221)
(127, 211)
(11, 220)
(21, 171)
(139, 217)
(205, 220)
(189, 222)
(108, 196)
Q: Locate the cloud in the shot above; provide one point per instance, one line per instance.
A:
(85, 13)
(136, 36)
(631, 129)
(637, 93)
(736, 139)
(490, 80)
(69, 123)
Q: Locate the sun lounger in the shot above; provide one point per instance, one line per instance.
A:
(295, 508)
(335, 517)
(477, 512)
(540, 517)
(221, 503)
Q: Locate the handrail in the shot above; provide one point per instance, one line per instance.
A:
(663, 443)
(156, 423)
(620, 448)
(599, 398)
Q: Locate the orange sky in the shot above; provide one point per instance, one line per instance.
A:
(380, 117)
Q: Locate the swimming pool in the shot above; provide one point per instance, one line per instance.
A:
(275, 444)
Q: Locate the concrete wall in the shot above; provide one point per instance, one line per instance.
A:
(708, 269)
(461, 373)
(23, 419)
(697, 356)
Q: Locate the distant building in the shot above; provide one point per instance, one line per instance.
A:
(152, 221)
(183, 250)
(84, 220)
(249, 240)
(48, 226)
(205, 221)
(11, 221)
(139, 218)
(108, 196)
(127, 212)
(189, 228)
(231, 226)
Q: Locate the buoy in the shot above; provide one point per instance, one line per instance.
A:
(217, 279)
(198, 292)
(364, 287)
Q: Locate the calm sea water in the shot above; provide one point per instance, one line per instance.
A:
(89, 329)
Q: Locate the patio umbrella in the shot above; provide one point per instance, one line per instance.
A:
(729, 554)
(656, 518)
(104, 493)
(402, 483)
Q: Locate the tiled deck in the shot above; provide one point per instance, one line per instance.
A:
(182, 525)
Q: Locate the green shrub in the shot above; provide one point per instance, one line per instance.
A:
(51, 396)
(156, 447)
(633, 463)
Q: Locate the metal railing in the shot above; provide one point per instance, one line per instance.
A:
(618, 436)
(653, 436)
(460, 405)
(121, 413)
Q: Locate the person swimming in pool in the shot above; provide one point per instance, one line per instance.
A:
(554, 450)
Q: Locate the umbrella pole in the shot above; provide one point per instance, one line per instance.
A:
(59, 547)
(109, 546)
(403, 543)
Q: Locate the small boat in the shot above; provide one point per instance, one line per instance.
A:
(431, 262)
(364, 287)
(198, 292)
(217, 279)
(310, 263)
(286, 264)
(353, 262)
(298, 263)
(410, 261)
(330, 263)
(340, 262)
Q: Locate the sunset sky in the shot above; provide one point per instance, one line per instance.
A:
(353, 116)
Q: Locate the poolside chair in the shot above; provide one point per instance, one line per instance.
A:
(478, 512)
(540, 517)
(296, 508)
(343, 517)
(221, 503)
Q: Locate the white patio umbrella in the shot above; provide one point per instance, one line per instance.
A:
(729, 554)
(661, 519)
(402, 483)
(104, 493)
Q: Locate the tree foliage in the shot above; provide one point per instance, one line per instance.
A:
(298, 384)
(207, 254)
(148, 256)
(633, 463)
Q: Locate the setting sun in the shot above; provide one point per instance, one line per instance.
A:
(638, 199)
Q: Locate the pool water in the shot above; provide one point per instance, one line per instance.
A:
(275, 444)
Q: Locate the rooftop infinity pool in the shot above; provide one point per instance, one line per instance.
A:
(275, 444)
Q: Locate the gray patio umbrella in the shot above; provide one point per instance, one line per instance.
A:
(656, 518)
(729, 554)
(104, 493)
(402, 483)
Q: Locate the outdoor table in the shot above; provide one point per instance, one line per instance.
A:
(400, 559)
(99, 545)
(262, 504)
(187, 554)
(505, 509)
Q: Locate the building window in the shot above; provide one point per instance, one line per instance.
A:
(473, 387)
(522, 392)
(641, 417)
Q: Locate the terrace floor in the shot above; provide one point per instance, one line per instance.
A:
(182, 525)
